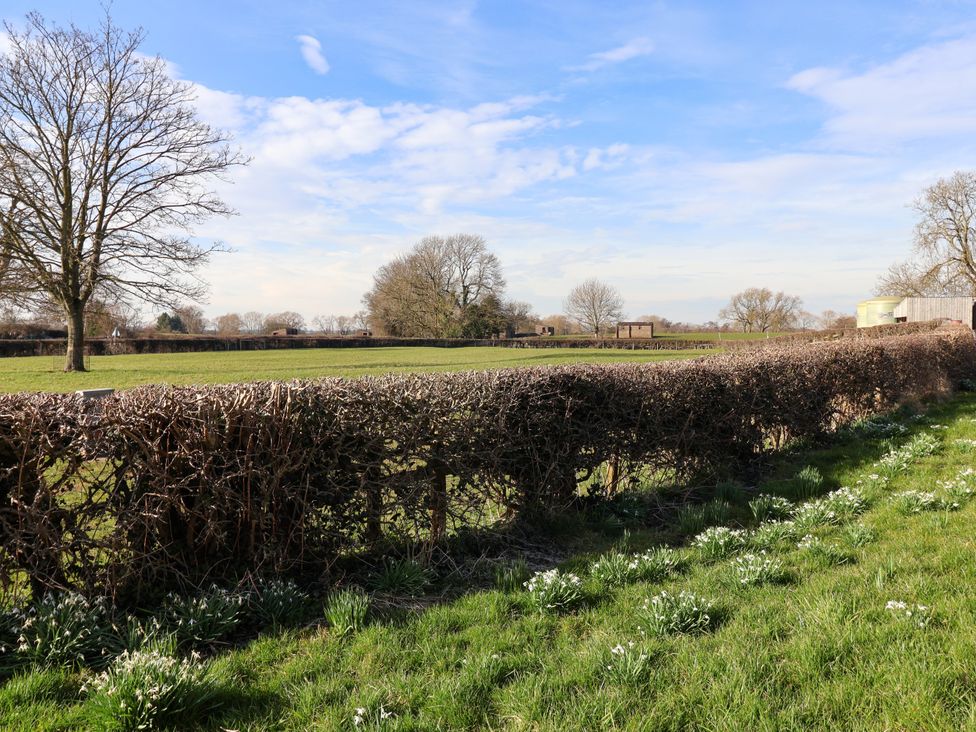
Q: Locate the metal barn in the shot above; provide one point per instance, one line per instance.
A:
(886, 310)
(921, 309)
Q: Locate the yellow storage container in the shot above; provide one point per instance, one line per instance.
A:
(877, 311)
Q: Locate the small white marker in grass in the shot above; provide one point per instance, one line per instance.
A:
(95, 393)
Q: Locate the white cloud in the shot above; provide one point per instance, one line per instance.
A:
(311, 51)
(224, 109)
(609, 157)
(927, 93)
(338, 186)
(4, 43)
(633, 49)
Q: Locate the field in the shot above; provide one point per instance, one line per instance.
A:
(719, 336)
(868, 623)
(43, 373)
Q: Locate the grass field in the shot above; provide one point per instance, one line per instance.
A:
(43, 373)
(692, 336)
(713, 336)
(818, 647)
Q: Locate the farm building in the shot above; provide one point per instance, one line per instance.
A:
(887, 310)
(285, 332)
(635, 329)
(545, 330)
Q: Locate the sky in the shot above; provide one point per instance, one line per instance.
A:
(680, 151)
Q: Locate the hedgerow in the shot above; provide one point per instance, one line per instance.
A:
(161, 487)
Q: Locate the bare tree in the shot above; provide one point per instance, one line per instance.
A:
(832, 320)
(324, 323)
(759, 309)
(561, 324)
(229, 324)
(595, 305)
(805, 320)
(520, 315)
(360, 319)
(252, 321)
(945, 235)
(103, 172)
(428, 291)
(192, 317)
(922, 277)
(661, 324)
(286, 319)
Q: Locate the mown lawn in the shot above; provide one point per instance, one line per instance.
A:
(44, 373)
(818, 649)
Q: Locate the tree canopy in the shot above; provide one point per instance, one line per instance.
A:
(595, 305)
(759, 309)
(443, 287)
(944, 253)
(104, 169)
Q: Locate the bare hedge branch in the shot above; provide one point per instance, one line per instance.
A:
(160, 486)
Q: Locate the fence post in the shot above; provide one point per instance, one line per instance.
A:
(374, 505)
(613, 476)
(438, 504)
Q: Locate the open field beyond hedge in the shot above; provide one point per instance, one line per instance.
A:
(836, 641)
(43, 373)
(719, 336)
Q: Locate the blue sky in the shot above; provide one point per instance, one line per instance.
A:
(680, 151)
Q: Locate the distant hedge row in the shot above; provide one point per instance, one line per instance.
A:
(196, 344)
(199, 344)
(162, 486)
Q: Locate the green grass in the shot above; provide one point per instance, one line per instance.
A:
(814, 650)
(692, 336)
(43, 373)
(714, 336)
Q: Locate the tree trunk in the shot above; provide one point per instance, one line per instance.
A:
(75, 357)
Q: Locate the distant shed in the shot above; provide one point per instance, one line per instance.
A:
(635, 329)
(922, 309)
(285, 332)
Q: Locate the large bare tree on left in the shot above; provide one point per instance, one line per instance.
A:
(104, 170)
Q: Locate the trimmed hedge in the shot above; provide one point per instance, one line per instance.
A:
(159, 487)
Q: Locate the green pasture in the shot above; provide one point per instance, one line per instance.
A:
(717, 336)
(44, 373)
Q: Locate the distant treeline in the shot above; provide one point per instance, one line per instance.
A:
(191, 344)
(26, 346)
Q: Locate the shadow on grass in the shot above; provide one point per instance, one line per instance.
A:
(238, 706)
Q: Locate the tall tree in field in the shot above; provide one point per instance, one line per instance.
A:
(760, 310)
(252, 322)
(944, 261)
(286, 319)
(595, 305)
(428, 291)
(103, 172)
(229, 324)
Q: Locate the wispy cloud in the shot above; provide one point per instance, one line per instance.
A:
(927, 93)
(312, 53)
(633, 49)
(4, 43)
